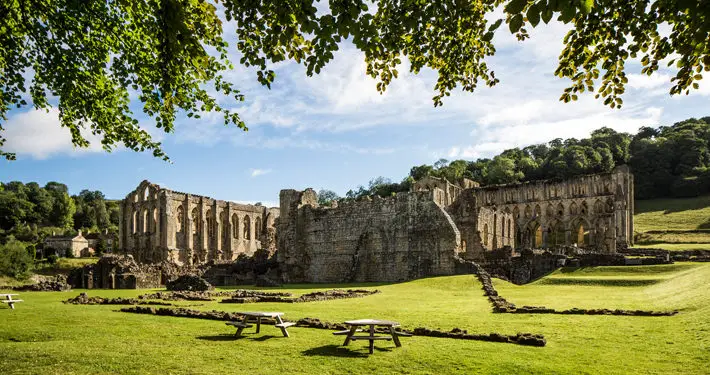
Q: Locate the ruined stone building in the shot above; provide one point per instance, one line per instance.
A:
(157, 224)
(592, 211)
(421, 233)
(381, 239)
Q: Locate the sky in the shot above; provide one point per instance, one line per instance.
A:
(335, 131)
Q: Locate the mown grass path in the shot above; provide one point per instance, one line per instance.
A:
(46, 336)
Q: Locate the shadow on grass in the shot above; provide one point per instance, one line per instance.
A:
(225, 337)
(705, 225)
(599, 282)
(231, 337)
(340, 351)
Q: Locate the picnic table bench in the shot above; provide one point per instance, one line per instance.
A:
(370, 336)
(258, 315)
(8, 299)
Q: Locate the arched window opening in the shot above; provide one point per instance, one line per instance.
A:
(146, 194)
(485, 235)
(538, 237)
(583, 236)
(537, 211)
(224, 227)
(145, 220)
(155, 220)
(210, 224)
(195, 221)
(247, 228)
(528, 212)
(257, 227)
(573, 209)
(583, 209)
(135, 221)
(180, 219)
(235, 226)
(556, 235)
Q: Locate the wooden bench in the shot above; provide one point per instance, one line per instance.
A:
(12, 302)
(370, 338)
(258, 315)
(240, 326)
(347, 331)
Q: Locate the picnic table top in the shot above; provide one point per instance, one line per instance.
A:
(368, 322)
(8, 294)
(262, 314)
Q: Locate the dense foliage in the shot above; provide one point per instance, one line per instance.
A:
(29, 212)
(16, 259)
(95, 56)
(669, 161)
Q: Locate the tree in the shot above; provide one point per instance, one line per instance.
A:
(15, 260)
(172, 54)
(326, 197)
(502, 171)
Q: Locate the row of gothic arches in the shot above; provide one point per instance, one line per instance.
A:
(241, 228)
(145, 221)
(559, 210)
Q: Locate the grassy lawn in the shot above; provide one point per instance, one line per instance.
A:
(45, 336)
(672, 214)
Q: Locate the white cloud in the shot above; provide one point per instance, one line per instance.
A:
(39, 134)
(255, 172)
(645, 82)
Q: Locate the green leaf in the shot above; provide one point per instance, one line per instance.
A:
(515, 6)
(546, 15)
(495, 25)
(533, 15)
(586, 5)
(516, 23)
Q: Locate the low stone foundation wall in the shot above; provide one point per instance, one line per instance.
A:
(310, 297)
(520, 338)
(501, 305)
(84, 299)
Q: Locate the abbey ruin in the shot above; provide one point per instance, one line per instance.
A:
(421, 233)
(158, 224)
(415, 234)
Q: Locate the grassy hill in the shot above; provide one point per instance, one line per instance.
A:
(673, 224)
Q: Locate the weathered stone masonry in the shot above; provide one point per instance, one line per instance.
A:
(158, 224)
(420, 233)
(593, 212)
(383, 239)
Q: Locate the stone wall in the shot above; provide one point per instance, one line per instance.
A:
(158, 224)
(381, 239)
(593, 212)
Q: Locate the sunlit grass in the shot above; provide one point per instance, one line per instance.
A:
(45, 336)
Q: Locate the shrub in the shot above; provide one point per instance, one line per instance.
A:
(52, 259)
(100, 248)
(15, 261)
(69, 253)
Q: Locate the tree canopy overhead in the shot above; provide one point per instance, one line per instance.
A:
(93, 57)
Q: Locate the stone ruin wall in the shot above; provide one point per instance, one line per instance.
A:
(158, 225)
(383, 239)
(594, 212)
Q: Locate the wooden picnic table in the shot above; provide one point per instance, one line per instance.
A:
(8, 299)
(371, 337)
(258, 315)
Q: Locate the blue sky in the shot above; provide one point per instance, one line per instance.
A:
(335, 131)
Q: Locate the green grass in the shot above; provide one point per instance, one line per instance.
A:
(675, 246)
(672, 214)
(45, 336)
